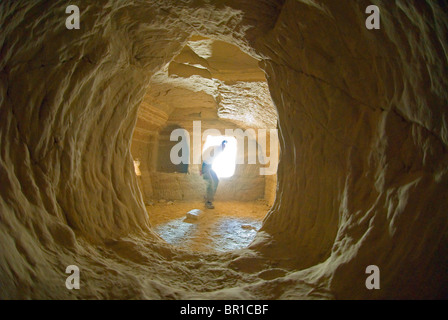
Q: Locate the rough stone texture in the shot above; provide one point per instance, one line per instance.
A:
(363, 168)
(178, 186)
(160, 179)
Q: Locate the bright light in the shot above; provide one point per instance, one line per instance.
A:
(224, 164)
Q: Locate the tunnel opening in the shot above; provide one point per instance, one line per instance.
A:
(209, 92)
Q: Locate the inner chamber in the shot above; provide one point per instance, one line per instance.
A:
(210, 89)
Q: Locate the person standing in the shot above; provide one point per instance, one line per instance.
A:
(209, 155)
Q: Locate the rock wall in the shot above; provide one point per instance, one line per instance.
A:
(161, 179)
(365, 138)
(362, 178)
(189, 187)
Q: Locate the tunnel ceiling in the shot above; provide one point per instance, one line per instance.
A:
(214, 75)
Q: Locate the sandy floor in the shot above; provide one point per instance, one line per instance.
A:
(230, 226)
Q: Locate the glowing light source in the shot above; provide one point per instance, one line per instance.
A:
(224, 165)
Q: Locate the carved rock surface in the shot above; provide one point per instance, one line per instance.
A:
(362, 118)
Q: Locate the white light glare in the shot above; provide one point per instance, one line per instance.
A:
(224, 164)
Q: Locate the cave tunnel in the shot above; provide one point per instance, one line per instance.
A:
(210, 89)
(361, 115)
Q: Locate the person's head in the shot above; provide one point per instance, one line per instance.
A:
(223, 144)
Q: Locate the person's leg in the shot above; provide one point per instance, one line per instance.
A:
(215, 183)
(210, 188)
(206, 174)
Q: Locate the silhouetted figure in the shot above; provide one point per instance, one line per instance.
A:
(209, 175)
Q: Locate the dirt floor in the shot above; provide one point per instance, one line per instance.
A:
(230, 226)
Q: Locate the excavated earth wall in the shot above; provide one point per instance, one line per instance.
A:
(362, 179)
